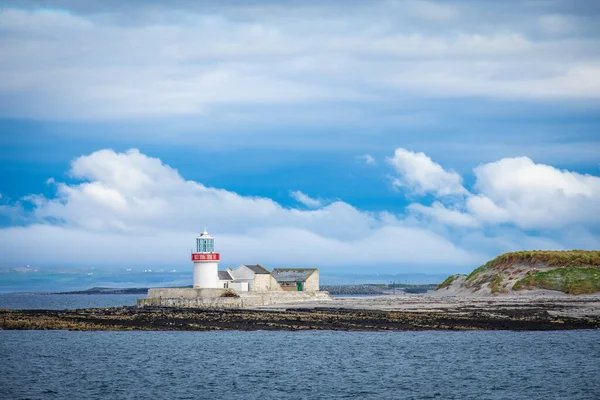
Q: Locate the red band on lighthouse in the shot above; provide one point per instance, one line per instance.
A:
(205, 257)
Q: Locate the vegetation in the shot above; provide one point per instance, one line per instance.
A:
(531, 259)
(449, 281)
(553, 259)
(478, 270)
(496, 284)
(577, 274)
(229, 293)
(570, 280)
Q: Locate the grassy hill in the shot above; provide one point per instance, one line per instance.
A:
(573, 272)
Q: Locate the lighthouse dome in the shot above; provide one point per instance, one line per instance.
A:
(205, 235)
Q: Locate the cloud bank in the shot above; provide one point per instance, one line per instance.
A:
(98, 60)
(132, 209)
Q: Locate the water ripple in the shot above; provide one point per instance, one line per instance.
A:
(292, 365)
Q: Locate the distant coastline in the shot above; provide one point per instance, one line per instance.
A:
(353, 289)
(104, 290)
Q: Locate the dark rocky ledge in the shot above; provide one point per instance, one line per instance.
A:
(132, 318)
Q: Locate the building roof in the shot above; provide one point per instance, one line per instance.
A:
(257, 269)
(292, 274)
(225, 276)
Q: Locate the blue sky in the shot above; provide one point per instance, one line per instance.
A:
(401, 136)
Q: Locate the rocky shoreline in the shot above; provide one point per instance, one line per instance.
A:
(524, 316)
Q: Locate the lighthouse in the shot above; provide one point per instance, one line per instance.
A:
(206, 262)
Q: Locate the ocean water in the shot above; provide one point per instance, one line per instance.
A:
(66, 301)
(299, 365)
(290, 365)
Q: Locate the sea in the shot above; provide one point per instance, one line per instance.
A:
(31, 301)
(292, 365)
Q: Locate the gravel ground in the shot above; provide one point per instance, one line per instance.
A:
(554, 303)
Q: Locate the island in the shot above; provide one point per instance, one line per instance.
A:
(520, 291)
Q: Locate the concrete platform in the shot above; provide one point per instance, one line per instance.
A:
(225, 298)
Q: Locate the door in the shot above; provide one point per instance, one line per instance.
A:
(300, 286)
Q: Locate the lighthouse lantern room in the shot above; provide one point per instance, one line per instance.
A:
(206, 262)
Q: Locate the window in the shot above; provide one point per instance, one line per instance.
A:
(205, 245)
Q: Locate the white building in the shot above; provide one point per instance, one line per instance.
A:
(246, 278)
(225, 279)
(258, 278)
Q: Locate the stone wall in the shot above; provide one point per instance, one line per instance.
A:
(185, 293)
(197, 302)
(203, 298)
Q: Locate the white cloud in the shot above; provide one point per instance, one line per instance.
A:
(486, 210)
(367, 158)
(533, 195)
(441, 213)
(419, 174)
(306, 199)
(514, 191)
(131, 209)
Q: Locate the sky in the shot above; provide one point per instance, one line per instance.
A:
(353, 136)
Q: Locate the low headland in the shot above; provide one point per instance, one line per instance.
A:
(573, 272)
(536, 290)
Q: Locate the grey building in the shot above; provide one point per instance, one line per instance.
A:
(297, 279)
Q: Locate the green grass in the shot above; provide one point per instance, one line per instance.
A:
(558, 259)
(572, 280)
(496, 284)
(449, 281)
(505, 266)
(478, 270)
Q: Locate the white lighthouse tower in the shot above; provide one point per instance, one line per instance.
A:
(206, 262)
